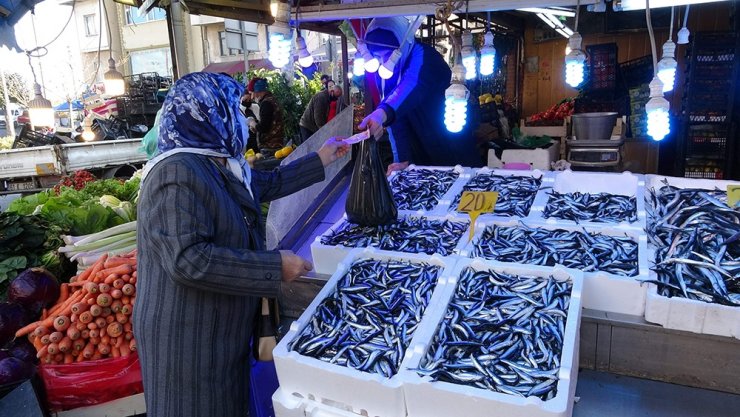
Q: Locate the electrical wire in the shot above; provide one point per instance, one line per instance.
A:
(686, 17)
(670, 30)
(107, 25)
(652, 37)
(44, 47)
(578, 13)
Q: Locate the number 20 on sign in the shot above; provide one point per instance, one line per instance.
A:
(733, 195)
(475, 203)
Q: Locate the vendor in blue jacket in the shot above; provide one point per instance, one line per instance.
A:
(413, 100)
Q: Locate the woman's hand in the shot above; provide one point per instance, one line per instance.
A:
(332, 150)
(374, 122)
(396, 166)
(293, 265)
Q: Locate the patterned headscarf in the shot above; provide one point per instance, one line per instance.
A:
(201, 115)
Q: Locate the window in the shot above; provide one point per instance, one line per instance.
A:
(230, 43)
(151, 60)
(91, 29)
(133, 18)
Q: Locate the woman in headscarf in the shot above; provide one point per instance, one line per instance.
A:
(201, 251)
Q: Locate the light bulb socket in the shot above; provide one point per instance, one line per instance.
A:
(386, 70)
(467, 39)
(669, 49)
(575, 41)
(458, 74)
(683, 36)
(39, 101)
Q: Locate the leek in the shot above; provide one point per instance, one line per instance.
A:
(115, 230)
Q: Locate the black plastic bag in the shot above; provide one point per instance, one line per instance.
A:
(370, 200)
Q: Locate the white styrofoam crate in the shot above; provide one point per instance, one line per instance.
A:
(602, 291)
(680, 313)
(458, 188)
(442, 399)
(326, 258)
(293, 405)
(625, 183)
(345, 388)
(444, 201)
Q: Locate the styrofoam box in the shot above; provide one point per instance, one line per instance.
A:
(443, 399)
(293, 405)
(680, 313)
(345, 388)
(602, 291)
(326, 258)
(458, 187)
(444, 202)
(625, 183)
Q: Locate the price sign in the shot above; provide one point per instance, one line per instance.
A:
(475, 203)
(733, 195)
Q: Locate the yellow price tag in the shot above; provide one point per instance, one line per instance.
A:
(733, 195)
(475, 203)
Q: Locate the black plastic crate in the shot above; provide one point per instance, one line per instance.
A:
(706, 141)
(636, 72)
(602, 67)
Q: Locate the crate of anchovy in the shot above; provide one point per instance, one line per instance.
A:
(589, 198)
(506, 345)
(445, 236)
(349, 345)
(694, 240)
(425, 190)
(517, 191)
(614, 260)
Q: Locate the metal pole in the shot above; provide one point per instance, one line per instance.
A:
(244, 50)
(9, 125)
(173, 51)
(345, 68)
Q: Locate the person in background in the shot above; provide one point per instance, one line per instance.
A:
(413, 102)
(269, 123)
(325, 81)
(202, 261)
(317, 111)
(250, 109)
(336, 103)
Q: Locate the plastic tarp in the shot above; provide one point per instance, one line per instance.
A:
(76, 106)
(11, 11)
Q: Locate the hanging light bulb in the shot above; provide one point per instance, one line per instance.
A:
(683, 33)
(113, 80)
(304, 57)
(358, 69)
(87, 133)
(39, 109)
(369, 62)
(386, 70)
(487, 55)
(273, 8)
(658, 122)
(667, 66)
(456, 101)
(279, 54)
(469, 59)
(575, 62)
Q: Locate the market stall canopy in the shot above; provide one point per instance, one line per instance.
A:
(257, 11)
(234, 67)
(11, 11)
(76, 106)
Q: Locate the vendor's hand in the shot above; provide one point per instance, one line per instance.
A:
(396, 166)
(293, 265)
(332, 150)
(374, 122)
(251, 122)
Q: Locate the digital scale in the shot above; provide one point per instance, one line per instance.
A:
(595, 153)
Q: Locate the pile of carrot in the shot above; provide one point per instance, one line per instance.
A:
(92, 318)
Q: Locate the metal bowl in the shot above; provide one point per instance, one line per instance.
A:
(594, 126)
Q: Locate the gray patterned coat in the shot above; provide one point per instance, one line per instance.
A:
(202, 266)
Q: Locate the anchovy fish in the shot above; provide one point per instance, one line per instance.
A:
(588, 252)
(502, 333)
(695, 234)
(600, 208)
(413, 235)
(516, 194)
(421, 189)
(368, 321)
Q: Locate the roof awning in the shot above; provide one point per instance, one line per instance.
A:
(234, 67)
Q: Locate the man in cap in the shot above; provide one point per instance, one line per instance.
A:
(413, 101)
(269, 123)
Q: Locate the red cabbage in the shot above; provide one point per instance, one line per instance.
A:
(23, 350)
(14, 370)
(12, 318)
(34, 288)
(4, 354)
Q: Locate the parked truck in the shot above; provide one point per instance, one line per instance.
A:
(32, 169)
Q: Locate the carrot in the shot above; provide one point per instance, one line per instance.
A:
(42, 351)
(119, 270)
(116, 306)
(132, 280)
(88, 351)
(110, 279)
(65, 308)
(104, 288)
(56, 337)
(45, 339)
(79, 308)
(78, 345)
(61, 323)
(127, 327)
(105, 339)
(80, 326)
(117, 341)
(97, 267)
(92, 326)
(28, 328)
(92, 288)
(40, 331)
(95, 340)
(128, 336)
(52, 349)
(63, 293)
(37, 343)
(110, 319)
(126, 309)
(101, 322)
(124, 280)
(128, 289)
(65, 345)
(116, 294)
(69, 358)
(106, 311)
(119, 283)
(58, 358)
(73, 333)
(94, 333)
(86, 317)
(85, 334)
(132, 345)
(96, 310)
(115, 329)
(115, 352)
(125, 350)
(103, 348)
(104, 300)
(117, 261)
(103, 331)
(44, 314)
(121, 318)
